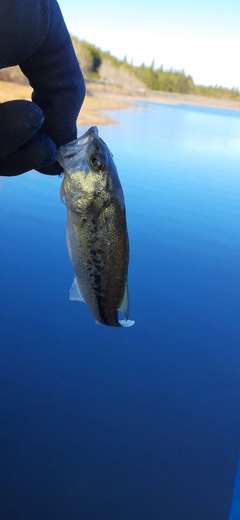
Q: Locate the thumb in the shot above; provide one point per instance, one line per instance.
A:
(19, 120)
(36, 153)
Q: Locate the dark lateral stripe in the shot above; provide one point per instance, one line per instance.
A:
(101, 310)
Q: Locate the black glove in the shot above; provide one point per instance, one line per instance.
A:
(22, 145)
(34, 36)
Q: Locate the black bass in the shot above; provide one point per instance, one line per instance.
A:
(97, 237)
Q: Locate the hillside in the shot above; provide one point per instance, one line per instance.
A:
(103, 68)
(99, 65)
(113, 84)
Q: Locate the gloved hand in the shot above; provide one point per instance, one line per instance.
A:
(34, 36)
(22, 145)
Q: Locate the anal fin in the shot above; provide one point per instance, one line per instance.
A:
(74, 293)
(124, 309)
(124, 304)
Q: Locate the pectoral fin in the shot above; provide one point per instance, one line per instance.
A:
(62, 194)
(74, 293)
(68, 240)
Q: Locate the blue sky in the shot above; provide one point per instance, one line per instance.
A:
(201, 37)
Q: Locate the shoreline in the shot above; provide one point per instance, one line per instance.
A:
(105, 97)
(191, 99)
(100, 97)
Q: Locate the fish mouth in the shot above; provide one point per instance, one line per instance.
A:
(76, 149)
(89, 135)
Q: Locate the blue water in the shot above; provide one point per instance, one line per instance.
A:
(99, 423)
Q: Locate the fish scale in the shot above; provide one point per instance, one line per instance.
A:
(97, 235)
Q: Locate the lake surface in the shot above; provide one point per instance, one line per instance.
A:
(143, 423)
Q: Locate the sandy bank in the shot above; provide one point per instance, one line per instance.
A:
(107, 97)
(91, 110)
(119, 95)
(189, 99)
(95, 102)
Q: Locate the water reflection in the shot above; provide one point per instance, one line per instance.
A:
(145, 424)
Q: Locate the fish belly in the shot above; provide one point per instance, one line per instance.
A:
(98, 247)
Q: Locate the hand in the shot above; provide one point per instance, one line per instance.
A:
(35, 37)
(22, 145)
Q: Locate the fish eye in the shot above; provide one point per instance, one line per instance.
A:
(96, 163)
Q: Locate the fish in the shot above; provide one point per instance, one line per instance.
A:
(97, 236)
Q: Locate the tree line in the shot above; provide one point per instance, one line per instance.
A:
(91, 57)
